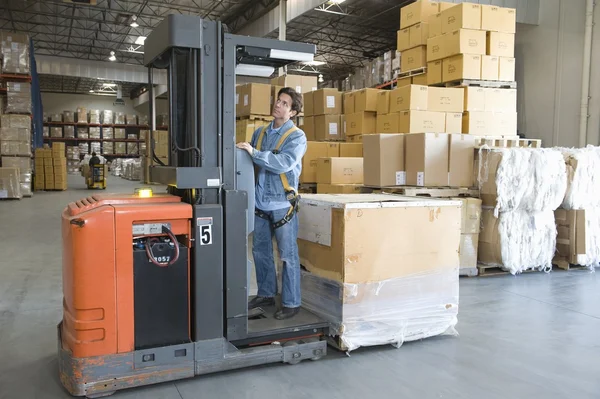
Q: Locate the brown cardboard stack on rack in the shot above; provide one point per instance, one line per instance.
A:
(9, 183)
(471, 41)
(15, 148)
(14, 48)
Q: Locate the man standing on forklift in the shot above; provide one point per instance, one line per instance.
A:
(94, 160)
(277, 150)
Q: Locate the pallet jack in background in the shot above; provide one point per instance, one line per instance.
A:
(164, 297)
(96, 177)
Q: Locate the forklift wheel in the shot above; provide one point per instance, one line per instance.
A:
(104, 188)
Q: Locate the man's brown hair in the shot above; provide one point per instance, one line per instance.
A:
(296, 98)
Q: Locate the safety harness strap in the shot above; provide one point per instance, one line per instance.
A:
(290, 193)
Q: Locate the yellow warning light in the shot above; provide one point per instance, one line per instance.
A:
(144, 192)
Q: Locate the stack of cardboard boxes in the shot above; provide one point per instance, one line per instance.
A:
(471, 41)
(14, 48)
(51, 168)
(412, 37)
(335, 165)
(160, 138)
(15, 148)
(253, 105)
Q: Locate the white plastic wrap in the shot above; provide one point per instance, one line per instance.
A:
(583, 177)
(591, 258)
(387, 312)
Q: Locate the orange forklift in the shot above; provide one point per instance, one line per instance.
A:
(156, 286)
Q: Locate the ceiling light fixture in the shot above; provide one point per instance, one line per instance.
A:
(320, 78)
(336, 1)
(140, 40)
(91, 90)
(291, 55)
(112, 56)
(134, 23)
(109, 84)
(314, 63)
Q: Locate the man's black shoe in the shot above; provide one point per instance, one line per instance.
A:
(286, 313)
(261, 301)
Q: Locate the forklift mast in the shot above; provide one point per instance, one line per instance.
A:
(205, 167)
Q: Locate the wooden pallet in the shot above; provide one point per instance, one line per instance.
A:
(431, 192)
(565, 265)
(492, 84)
(255, 117)
(506, 142)
(307, 188)
(489, 270)
(412, 72)
(468, 272)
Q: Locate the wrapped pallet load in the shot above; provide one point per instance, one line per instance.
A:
(578, 220)
(520, 189)
(381, 269)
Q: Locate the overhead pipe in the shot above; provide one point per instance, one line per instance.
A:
(585, 79)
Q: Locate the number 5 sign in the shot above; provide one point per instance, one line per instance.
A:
(205, 225)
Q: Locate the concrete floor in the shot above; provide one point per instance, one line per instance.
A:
(535, 335)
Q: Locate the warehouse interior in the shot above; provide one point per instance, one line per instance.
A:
(447, 226)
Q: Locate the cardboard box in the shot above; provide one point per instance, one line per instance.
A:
(422, 122)
(500, 100)
(388, 123)
(328, 128)
(314, 151)
(469, 244)
(348, 100)
(339, 188)
(475, 99)
(436, 48)
(9, 183)
(427, 159)
(383, 102)
(420, 79)
(419, 34)
(403, 39)
(434, 72)
(255, 99)
(404, 81)
(244, 130)
(238, 98)
(327, 102)
(355, 139)
(309, 83)
(411, 97)
(507, 69)
(361, 123)
(340, 170)
(478, 123)
(435, 25)
(453, 122)
(505, 123)
(572, 241)
(489, 67)
(419, 11)
(57, 162)
(351, 150)
(498, 19)
(334, 246)
(501, 44)
(414, 58)
(384, 160)
(461, 16)
(23, 163)
(366, 100)
(463, 66)
(308, 104)
(490, 247)
(48, 169)
(465, 41)
(461, 158)
(442, 99)
(309, 128)
(470, 215)
(293, 81)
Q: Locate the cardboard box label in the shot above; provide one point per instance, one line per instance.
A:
(333, 128)
(420, 179)
(3, 193)
(245, 100)
(237, 98)
(330, 102)
(401, 178)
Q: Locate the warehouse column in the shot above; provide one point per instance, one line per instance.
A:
(282, 27)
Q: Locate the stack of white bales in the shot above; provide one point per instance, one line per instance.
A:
(582, 205)
(520, 189)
